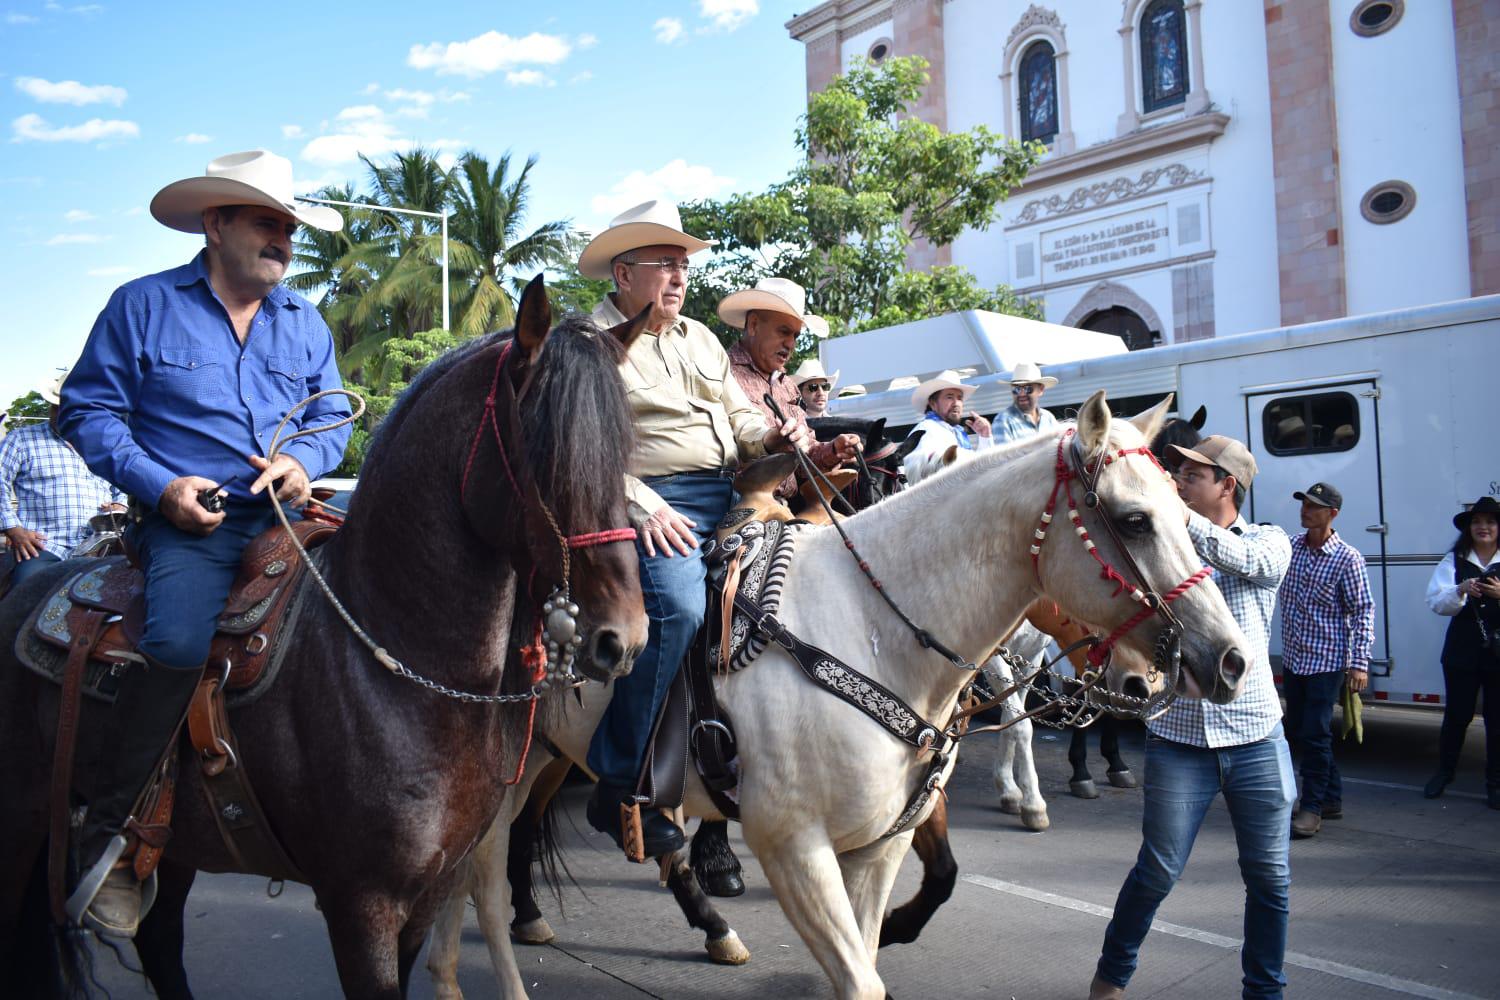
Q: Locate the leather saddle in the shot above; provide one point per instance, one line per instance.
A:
(248, 628)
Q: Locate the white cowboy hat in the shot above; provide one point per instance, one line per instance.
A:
(51, 390)
(849, 391)
(779, 295)
(1026, 373)
(949, 379)
(648, 224)
(810, 369)
(251, 178)
(816, 325)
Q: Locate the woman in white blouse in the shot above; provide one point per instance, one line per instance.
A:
(1466, 587)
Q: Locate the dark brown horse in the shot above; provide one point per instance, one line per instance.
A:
(378, 787)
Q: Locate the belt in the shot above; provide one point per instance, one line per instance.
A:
(724, 474)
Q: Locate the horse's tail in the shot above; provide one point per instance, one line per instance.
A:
(549, 855)
(45, 961)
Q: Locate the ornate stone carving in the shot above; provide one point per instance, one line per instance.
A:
(1034, 17)
(1103, 192)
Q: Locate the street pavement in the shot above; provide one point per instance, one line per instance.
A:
(1397, 899)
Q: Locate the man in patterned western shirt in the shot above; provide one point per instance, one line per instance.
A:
(1327, 630)
(47, 493)
(1197, 750)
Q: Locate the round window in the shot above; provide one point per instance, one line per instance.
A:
(1375, 17)
(880, 50)
(1388, 202)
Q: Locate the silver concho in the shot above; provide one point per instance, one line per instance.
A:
(561, 636)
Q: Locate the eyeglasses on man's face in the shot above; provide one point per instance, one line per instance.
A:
(1024, 390)
(682, 267)
(817, 386)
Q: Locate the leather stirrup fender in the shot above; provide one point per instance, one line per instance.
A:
(87, 627)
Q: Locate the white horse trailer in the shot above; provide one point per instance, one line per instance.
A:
(1385, 407)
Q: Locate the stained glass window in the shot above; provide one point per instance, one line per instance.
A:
(1038, 104)
(1164, 76)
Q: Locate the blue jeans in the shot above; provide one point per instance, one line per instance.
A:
(26, 567)
(1309, 730)
(188, 579)
(675, 599)
(1181, 782)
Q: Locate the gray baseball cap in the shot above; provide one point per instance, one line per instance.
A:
(1224, 452)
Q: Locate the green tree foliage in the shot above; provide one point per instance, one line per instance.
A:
(27, 408)
(393, 369)
(874, 181)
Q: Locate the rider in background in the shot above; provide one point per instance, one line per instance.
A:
(944, 425)
(773, 315)
(179, 390)
(693, 427)
(1025, 417)
(47, 493)
(1198, 750)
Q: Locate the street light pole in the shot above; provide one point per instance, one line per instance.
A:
(401, 211)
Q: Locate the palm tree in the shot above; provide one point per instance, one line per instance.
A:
(406, 296)
(485, 241)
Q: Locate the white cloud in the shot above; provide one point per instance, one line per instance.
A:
(528, 78)
(488, 53)
(68, 239)
(727, 15)
(113, 271)
(426, 98)
(14, 18)
(363, 129)
(581, 77)
(135, 210)
(668, 30)
(69, 92)
(587, 41)
(413, 111)
(34, 128)
(291, 132)
(77, 215)
(677, 181)
(370, 88)
(194, 138)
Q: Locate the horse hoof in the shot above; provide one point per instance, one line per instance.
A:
(1010, 805)
(1035, 819)
(1084, 789)
(727, 950)
(536, 931)
(1123, 779)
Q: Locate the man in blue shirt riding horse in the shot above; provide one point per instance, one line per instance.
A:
(179, 390)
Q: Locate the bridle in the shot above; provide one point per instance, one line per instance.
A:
(1071, 466)
(556, 636)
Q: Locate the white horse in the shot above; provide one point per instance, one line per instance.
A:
(820, 782)
(1015, 768)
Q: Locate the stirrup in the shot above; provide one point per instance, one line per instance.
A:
(93, 880)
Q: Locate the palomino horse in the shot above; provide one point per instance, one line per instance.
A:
(378, 787)
(827, 836)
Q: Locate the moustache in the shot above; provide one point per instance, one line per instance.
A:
(275, 254)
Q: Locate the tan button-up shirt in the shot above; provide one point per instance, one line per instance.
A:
(690, 413)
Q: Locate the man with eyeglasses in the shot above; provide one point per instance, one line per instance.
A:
(694, 425)
(815, 386)
(1025, 417)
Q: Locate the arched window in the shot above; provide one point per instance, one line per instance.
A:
(1123, 323)
(1164, 66)
(1038, 101)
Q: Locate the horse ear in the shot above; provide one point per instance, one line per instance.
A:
(875, 436)
(907, 447)
(951, 455)
(533, 318)
(1199, 418)
(627, 331)
(1150, 422)
(1093, 424)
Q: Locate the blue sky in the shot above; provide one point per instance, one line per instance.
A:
(102, 104)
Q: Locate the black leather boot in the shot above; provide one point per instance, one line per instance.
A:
(661, 835)
(1437, 783)
(150, 704)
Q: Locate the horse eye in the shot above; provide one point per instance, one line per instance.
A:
(1136, 524)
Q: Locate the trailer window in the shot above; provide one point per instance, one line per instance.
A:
(1305, 425)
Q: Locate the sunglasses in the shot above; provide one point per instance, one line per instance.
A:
(1024, 390)
(817, 386)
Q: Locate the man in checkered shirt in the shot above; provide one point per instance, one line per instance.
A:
(1327, 630)
(1197, 750)
(47, 493)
